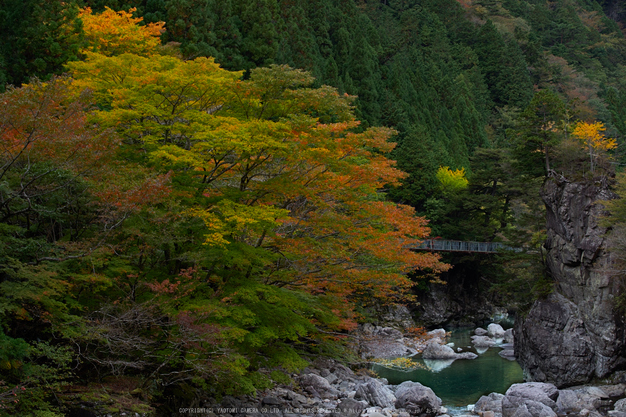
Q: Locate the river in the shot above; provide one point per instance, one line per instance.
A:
(463, 381)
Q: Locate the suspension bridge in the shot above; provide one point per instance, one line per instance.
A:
(462, 246)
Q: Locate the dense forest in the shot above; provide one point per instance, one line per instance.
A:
(197, 197)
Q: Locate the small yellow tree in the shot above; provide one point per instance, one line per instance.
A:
(452, 181)
(592, 137)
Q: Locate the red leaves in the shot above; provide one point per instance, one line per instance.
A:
(45, 122)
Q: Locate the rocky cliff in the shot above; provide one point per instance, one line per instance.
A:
(573, 335)
(462, 300)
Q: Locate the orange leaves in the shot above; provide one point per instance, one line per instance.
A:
(45, 122)
(114, 33)
(124, 194)
(293, 189)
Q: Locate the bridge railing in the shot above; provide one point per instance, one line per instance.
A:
(461, 246)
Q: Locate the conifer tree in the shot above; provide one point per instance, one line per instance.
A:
(38, 38)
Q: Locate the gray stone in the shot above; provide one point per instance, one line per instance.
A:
(616, 390)
(590, 397)
(398, 315)
(350, 408)
(567, 402)
(614, 413)
(483, 341)
(375, 393)
(388, 332)
(508, 336)
(522, 411)
(417, 399)
(507, 354)
(434, 350)
(491, 402)
(441, 333)
(269, 400)
(318, 386)
(368, 328)
(343, 373)
(537, 398)
(495, 330)
(331, 378)
(480, 331)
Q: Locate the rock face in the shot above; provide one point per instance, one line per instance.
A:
(573, 335)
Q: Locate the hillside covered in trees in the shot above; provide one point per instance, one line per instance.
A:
(196, 197)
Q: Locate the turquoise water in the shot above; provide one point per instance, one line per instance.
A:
(464, 381)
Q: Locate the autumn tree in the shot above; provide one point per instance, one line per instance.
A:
(113, 33)
(593, 140)
(287, 191)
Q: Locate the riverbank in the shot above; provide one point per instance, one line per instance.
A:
(329, 388)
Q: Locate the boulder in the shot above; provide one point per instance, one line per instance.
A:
(535, 398)
(437, 335)
(343, 373)
(375, 393)
(483, 341)
(507, 354)
(567, 402)
(350, 408)
(480, 331)
(417, 399)
(491, 402)
(434, 350)
(318, 386)
(508, 336)
(577, 400)
(466, 355)
(495, 330)
(591, 398)
(271, 401)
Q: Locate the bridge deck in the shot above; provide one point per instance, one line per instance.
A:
(460, 246)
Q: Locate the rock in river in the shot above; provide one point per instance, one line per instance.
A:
(417, 399)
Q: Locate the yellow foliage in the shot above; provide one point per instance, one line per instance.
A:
(591, 134)
(401, 364)
(452, 181)
(114, 33)
(592, 138)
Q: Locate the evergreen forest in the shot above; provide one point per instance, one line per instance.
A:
(199, 197)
